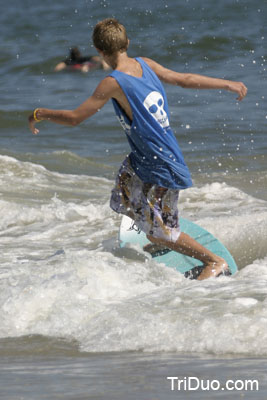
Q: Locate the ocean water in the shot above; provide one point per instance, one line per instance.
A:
(81, 319)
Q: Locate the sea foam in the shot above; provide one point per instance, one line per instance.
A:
(62, 273)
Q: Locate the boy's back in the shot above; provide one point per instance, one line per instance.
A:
(155, 155)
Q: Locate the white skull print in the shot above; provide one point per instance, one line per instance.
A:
(154, 103)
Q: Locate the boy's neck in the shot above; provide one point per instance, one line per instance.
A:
(116, 60)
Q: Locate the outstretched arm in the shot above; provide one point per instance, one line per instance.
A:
(195, 81)
(94, 103)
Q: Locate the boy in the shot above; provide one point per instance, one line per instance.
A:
(149, 180)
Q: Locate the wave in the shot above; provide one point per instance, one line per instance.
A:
(62, 273)
(62, 161)
(107, 304)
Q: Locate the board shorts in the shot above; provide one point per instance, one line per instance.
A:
(153, 208)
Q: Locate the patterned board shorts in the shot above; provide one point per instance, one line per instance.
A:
(153, 208)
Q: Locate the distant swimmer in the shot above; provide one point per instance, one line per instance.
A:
(75, 61)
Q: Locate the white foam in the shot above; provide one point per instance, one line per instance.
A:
(234, 217)
(111, 304)
(60, 277)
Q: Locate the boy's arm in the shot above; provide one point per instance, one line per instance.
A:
(104, 91)
(194, 81)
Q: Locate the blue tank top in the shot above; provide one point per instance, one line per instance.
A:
(155, 154)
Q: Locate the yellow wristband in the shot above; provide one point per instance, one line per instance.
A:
(34, 115)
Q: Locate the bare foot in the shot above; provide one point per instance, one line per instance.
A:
(213, 264)
(214, 269)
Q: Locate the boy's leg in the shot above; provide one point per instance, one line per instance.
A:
(213, 264)
(144, 205)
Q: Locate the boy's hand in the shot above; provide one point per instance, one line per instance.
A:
(239, 88)
(32, 123)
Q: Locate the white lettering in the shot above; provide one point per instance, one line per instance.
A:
(215, 385)
(172, 378)
(193, 378)
(192, 383)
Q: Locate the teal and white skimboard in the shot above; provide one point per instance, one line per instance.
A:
(130, 234)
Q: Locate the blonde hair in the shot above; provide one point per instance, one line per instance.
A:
(110, 36)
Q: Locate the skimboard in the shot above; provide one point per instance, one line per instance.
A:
(190, 267)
